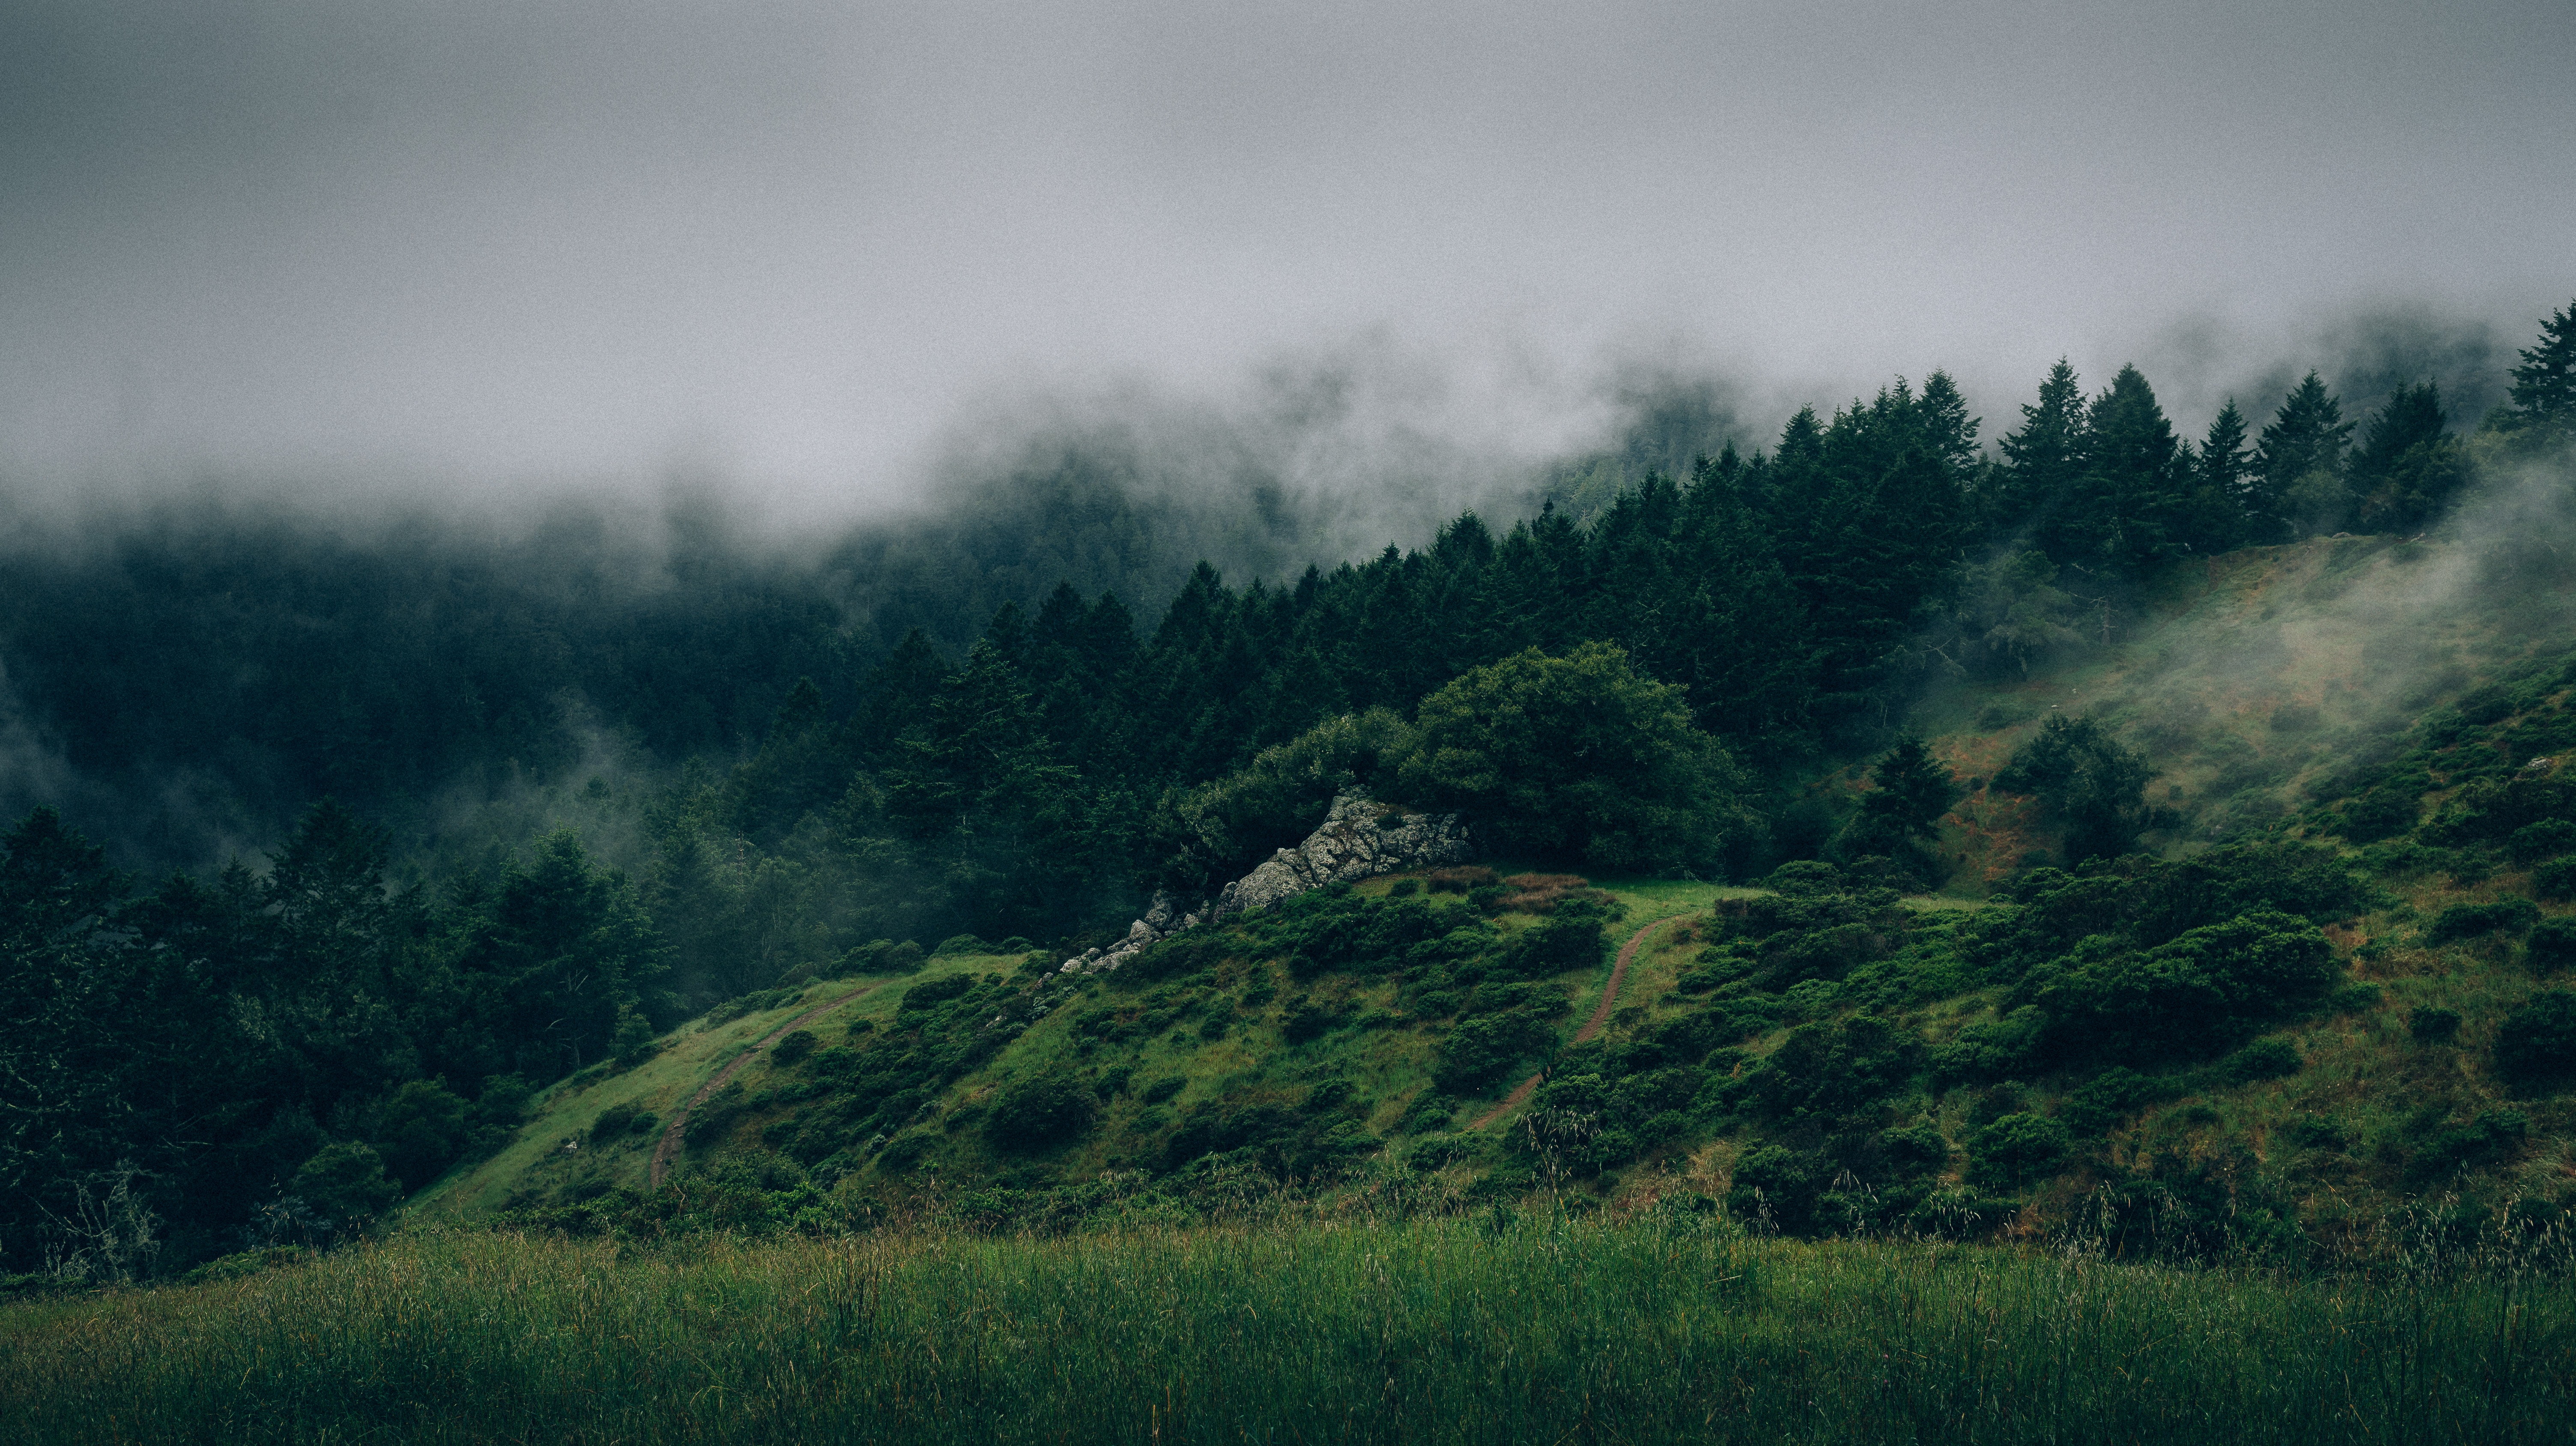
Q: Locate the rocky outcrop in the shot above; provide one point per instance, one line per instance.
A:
(1359, 839)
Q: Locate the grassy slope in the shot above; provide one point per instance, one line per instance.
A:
(536, 1162)
(2355, 637)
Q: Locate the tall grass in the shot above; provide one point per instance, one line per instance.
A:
(1444, 1330)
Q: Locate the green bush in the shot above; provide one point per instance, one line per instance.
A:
(2468, 921)
(2535, 1047)
(2263, 1059)
(614, 1122)
(792, 1047)
(421, 1130)
(1477, 1051)
(1778, 1184)
(346, 1185)
(936, 992)
(2555, 880)
(2546, 839)
(2552, 945)
(1039, 1112)
(2431, 1025)
(2101, 1102)
(2381, 813)
(2490, 1139)
(2210, 986)
(2015, 1150)
(1992, 1049)
(1555, 946)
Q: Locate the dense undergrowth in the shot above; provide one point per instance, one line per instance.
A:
(1667, 1325)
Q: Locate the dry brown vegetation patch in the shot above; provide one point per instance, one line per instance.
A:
(1460, 879)
(1541, 893)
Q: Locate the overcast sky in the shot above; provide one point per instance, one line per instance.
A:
(468, 246)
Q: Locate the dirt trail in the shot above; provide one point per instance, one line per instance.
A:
(670, 1142)
(1600, 1016)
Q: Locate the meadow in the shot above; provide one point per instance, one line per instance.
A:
(1497, 1327)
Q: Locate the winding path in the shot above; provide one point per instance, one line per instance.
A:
(1520, 1095)
(670, 1142)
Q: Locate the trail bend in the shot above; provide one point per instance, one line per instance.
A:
(1600, 1016)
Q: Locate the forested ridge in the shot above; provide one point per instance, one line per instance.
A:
(841, 774)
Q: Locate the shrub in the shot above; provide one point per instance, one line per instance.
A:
(1829, 1069)
(2555, 879)
(2546, 839)
(2100, 1102)
(905, 1151)
(2430, 1025)
(1038, 1112)
(956, 944)
(346, 1185)
(1555, 946)
(1404, 888)
(1164, 1088)
(2263, 1059)
(2209, 986)
(1306, 1021)
(1430, 1111)
(936, 992)
(2382, 813)
(1778, 1183)
(613, 1122)
(2491, 1138)
(421, 1130)
(1992, 1049)
(1915, 1149)
(2535, 1047)
(793, 1047)
(2552, 945)
(2469, 921)
(1479, 1050)
(2015, 1150)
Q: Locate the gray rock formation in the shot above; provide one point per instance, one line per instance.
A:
(1359, 839)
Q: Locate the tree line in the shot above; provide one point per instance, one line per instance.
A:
(1628, 691)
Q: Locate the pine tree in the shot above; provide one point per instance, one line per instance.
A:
(2042, 460)
(2543, 397)
(2300, 465)
(2408, 466)
(2216, 518)
(1948, 432)
(2133, 486)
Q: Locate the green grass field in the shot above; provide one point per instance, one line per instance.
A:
(1541, 1328)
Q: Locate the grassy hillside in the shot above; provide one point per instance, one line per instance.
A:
(2342, 734)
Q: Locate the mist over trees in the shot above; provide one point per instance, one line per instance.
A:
(941, 733)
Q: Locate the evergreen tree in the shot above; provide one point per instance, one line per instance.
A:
(2408, 467)
(2215, 518)
(2043, 461)
(1911, 791)
(2135, 483)
(2300, 465)
(2542, 406)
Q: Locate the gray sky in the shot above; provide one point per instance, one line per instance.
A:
(468, 245)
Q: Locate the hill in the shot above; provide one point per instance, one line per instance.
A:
(2288, 1027)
